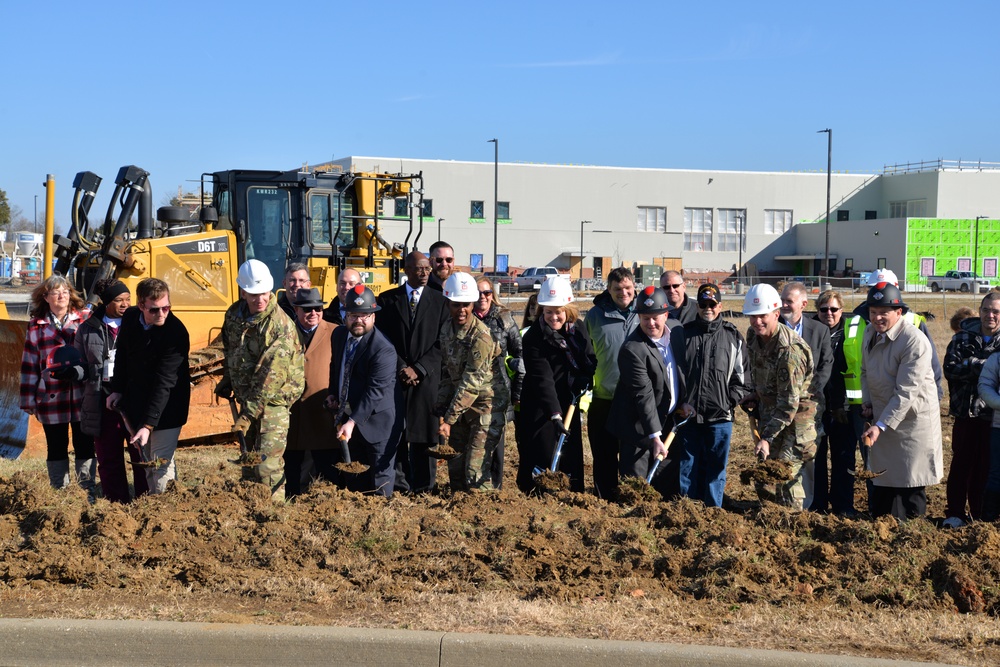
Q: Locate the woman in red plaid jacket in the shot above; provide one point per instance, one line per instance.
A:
(56, 312)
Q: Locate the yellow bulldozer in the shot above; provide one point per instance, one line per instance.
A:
(328, 220)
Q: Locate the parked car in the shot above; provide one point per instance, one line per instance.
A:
(961, 281)
(532, 277)
(502, 280)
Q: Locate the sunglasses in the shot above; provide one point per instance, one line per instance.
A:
(443, 260)
(829, 309)
(486, 292)
(312, 309)
(673, 286)
(156, 311)
(713, 304)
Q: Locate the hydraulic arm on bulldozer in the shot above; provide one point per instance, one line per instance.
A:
(329, 221)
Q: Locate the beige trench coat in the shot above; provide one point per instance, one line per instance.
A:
(897, 379)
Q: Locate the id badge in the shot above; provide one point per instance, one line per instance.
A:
(108, 369)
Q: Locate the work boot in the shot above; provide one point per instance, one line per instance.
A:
(58, 473)
(991, 506)
(86, 474)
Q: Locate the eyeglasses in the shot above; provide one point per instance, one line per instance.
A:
(156, 311)
(830, 309)
(360, 316)
(673, 286)
(443, 260)
(58, 292)
(485, 292)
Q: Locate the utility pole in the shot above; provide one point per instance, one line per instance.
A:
(496, 204)
(829, 163)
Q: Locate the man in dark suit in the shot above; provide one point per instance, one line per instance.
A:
(650, 392)
(794, 301)
(362, 393)
(335, 312)
(411, 318)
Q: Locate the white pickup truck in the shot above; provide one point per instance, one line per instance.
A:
(960, 281)
(532, 278)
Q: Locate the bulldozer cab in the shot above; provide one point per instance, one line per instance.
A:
(327, 220)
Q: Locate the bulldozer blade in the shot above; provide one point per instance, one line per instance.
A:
(13, 420)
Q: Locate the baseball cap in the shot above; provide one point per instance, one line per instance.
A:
(709, 292)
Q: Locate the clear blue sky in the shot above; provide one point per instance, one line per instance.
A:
(180, 88)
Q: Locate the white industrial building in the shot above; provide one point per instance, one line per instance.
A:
(646, 216)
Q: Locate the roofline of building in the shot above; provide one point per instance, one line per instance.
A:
(351, 158)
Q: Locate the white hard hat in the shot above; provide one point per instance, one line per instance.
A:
(254, 278)
(460, 287)
(882, 276)
(555, 291)
(761, 299)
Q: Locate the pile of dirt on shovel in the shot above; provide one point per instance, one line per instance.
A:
(224, 537)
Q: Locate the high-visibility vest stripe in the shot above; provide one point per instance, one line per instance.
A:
(854, 333)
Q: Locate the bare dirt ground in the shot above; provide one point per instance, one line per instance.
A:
(564, 564)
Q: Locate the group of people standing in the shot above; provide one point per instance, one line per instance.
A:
(115, 376)
(437, 368)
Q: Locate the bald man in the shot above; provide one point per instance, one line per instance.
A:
(347, 279)
(411, 318)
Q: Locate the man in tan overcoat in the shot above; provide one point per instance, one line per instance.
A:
(311, 427)
(899, 396)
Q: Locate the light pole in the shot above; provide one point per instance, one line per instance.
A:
(739, 247)
(439, 228)
(829, 162)
(496, 204)
(975, 259)
(582, 223)
(36, 214)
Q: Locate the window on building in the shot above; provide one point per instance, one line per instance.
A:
(698, 229)
(652, 219)
(476, 210)
(427, 210)
(730, 226)
(777, 221)
(912, 208)
(399, 210)
(503, 210)
(843, 215)
(871, 215)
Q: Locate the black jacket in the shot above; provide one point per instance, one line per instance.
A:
(835, 390)
(551, 381)
(718, 369)
(686, 312)
(963, 363)
(332, 312)
(416, 343)
(817, 336)
(642, 397)
(151, 372)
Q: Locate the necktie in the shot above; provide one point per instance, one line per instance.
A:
(352, 346)
(413, 303)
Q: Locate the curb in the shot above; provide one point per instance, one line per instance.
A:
(31, 642)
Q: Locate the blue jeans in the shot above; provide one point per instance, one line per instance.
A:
(705, 454)
(993, 479)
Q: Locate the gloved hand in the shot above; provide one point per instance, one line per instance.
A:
(242, 425)
(557, 420)
(69, 373)
(224, 390)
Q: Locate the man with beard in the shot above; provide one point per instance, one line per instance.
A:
(442, 264)
(363, 393)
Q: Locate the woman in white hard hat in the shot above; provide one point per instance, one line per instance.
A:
(559, 366)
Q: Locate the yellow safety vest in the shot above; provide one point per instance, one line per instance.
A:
(854, 333)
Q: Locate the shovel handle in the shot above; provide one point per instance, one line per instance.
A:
(865, 440)
(754, 430)
(345, 451)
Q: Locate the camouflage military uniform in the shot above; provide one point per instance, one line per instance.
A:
(782, 374)
(506, 386)
(266, 370)
(465, 400)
